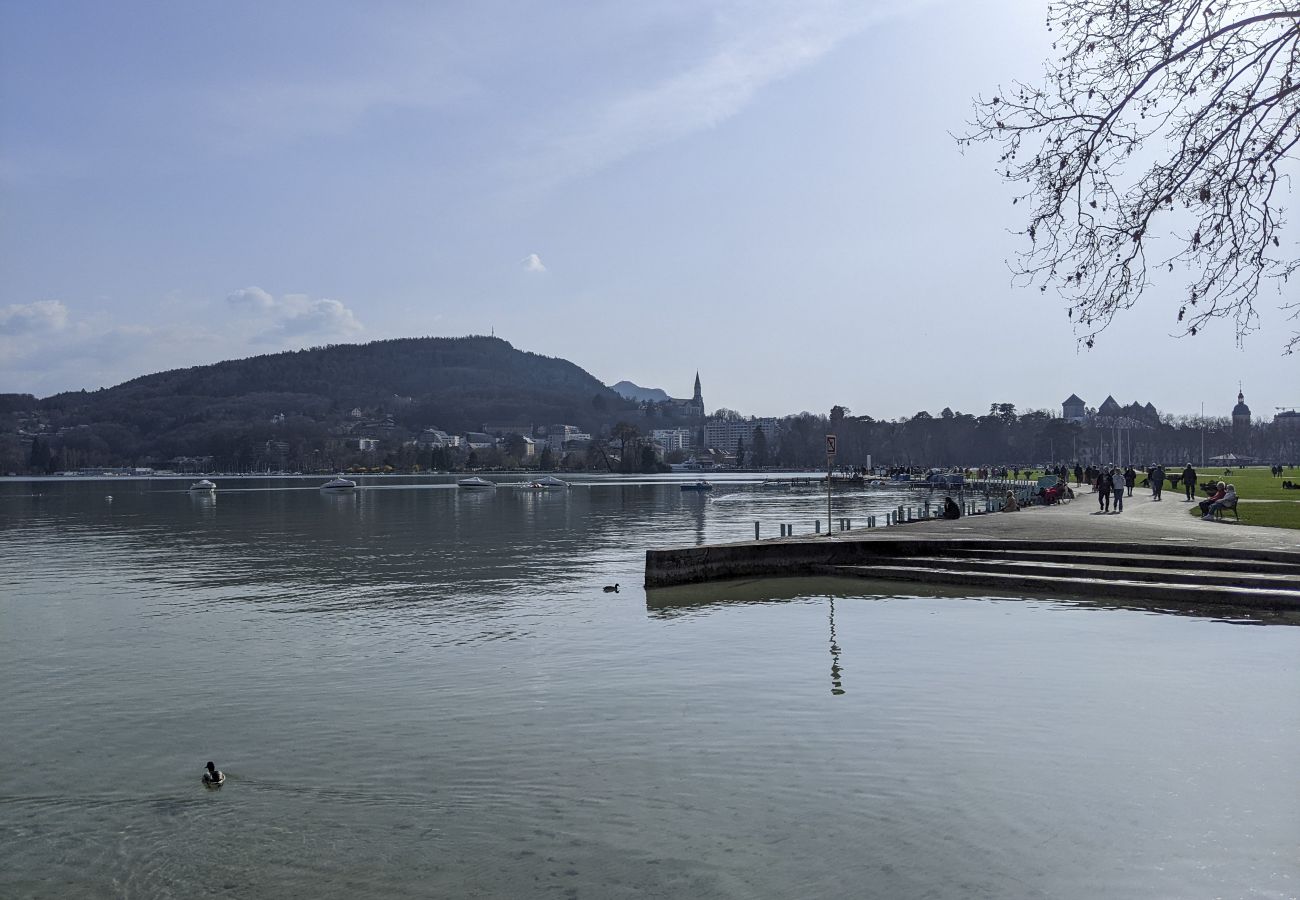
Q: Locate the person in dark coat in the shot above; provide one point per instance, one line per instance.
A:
(1189, 482)
(1130, 479)
(1105, 485)
(950, 509)
(1157, 479)
(1078, 474)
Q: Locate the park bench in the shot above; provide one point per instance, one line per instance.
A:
(1232, 505)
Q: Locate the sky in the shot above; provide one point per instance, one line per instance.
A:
(765, 191)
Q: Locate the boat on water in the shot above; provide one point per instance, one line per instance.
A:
(531, 486)
(474, 483)
(551, 481)
(338, 484)
(698, 486)
(204, 485)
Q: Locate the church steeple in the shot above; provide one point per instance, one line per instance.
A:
(698, 398)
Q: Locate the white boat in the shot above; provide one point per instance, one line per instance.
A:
(474, 483)
(338, 484)
(551, 481)
(531, 486)
(203, 485)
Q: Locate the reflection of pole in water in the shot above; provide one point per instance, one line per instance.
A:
(837, 687)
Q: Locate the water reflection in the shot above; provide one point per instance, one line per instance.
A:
(837, 684)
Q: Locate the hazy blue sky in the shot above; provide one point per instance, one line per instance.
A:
(763, 191)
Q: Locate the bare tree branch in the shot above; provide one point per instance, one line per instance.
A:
(1164, 127)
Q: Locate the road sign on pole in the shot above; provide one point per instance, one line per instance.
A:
(830, 445)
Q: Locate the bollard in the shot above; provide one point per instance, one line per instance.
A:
(755, 531)
(817, 526)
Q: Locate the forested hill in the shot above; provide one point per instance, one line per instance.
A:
(456, 384)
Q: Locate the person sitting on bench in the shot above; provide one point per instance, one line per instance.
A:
(1220, 490)
(1227, 501)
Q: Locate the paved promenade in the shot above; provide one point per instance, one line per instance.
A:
(1153, 550)
(1143, 521)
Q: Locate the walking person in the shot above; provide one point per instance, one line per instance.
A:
(1189, 482)
(1119, 479)
(1157, 479)
(1078, 474)
(1130, 479)
(1103, 486)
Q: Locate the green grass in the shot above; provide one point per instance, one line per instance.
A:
(1285, 514)
(1253, 484)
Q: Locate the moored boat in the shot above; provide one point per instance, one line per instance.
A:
(698, 486)
(204, 485)
(474, 483)
(551, 481)
(338, 484)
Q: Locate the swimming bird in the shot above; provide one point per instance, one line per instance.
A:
(611, 589)
(213, 777)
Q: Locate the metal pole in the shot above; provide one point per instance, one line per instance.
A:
(829, 460)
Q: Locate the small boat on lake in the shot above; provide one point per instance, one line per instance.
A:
(338, 484)
(698, 486)
(551, 481)
(203, 486)
(474, 483)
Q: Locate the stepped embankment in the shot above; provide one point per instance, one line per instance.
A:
(1152, 551)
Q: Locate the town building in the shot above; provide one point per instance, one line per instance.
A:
(1240, 425)
(672, 439)
(1073, 409)
(726, 435)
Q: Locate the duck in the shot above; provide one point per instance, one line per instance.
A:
(611, 589)
(212, 777)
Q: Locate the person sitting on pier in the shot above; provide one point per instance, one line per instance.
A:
(1012, 504)
(950, 509)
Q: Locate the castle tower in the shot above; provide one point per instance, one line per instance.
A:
(1241, 425)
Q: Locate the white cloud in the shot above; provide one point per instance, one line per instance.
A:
(277, 319)
(532, 263)
(252, 297)
(40, 317)
(315, 319)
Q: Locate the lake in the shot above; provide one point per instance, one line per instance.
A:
(417, 691)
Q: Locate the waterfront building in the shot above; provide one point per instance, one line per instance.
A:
(673, 438)
(726, 435)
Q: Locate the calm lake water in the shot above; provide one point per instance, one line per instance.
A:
(417, 691)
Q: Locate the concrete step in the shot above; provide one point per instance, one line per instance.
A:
(1136, 559)
(1104, 571)
(1057, 586)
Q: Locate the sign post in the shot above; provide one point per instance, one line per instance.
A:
(830, 465)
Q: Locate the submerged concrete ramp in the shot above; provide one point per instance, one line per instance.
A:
(1157, 553)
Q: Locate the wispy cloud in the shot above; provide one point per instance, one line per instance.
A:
(759, 45)
(532, 263)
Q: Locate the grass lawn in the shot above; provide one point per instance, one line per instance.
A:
(1278, 515)
(1254, 483)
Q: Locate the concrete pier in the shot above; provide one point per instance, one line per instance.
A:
(1153, 550)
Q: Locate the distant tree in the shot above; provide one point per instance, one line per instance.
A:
(727, 415)
(515, 446)
(41, 457)
(1161, 123)
(546, 461)
(740, 452)
(759, 453)
(472, 461)
(649, 462)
